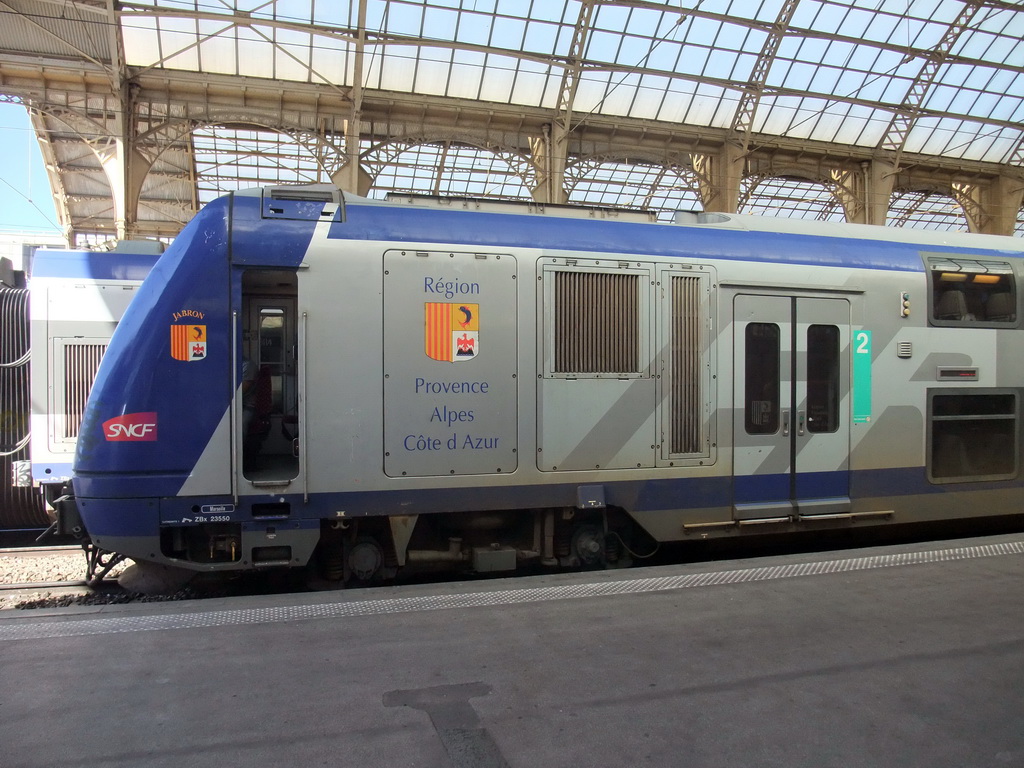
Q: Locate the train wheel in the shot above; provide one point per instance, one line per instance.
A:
(588, 545)
(365, 558)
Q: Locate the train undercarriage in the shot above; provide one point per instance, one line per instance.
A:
(368, 550)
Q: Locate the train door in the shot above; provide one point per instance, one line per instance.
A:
(791, 433)
(270, 345)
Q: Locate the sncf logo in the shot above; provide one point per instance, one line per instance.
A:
(136, 427)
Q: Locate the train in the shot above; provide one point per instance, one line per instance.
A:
(355, 388)
(56, 328)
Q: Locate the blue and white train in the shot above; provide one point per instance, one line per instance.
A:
(487, 385)
(53, 334)
(77, 300)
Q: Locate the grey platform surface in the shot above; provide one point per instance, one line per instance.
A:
(896, 656)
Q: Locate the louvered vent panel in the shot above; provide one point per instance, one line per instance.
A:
(20, 507)
(80, 364)
(686, 343)
(597, 323)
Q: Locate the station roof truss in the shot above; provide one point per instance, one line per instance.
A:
(906, 112)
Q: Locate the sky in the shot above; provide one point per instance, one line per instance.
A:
(26, 202)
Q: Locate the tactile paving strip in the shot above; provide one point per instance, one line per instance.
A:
(64, 626)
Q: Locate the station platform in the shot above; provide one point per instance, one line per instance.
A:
(909, 655)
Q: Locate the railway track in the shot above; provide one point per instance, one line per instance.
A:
(58, 571)
(27, 586)
(40, 551)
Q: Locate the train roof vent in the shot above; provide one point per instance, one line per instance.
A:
(701, 217)
(490, 205)
(318, 202)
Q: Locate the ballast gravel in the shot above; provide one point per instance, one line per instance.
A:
(34, 567)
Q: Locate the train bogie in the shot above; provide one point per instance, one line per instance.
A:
(368, 387)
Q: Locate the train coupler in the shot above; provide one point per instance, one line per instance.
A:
(67, 521)
(98, 563)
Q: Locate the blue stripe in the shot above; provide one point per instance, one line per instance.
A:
(633, 496)
(92, 265)
(751, 489)
(500, 230)
(142, 516)
(822, 485)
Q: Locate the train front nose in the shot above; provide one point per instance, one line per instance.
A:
(162, 392)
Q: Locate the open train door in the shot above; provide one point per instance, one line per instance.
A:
(268, 404)
(791, 432)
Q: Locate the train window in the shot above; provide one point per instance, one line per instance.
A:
(761, 385)
(597, 323)
(272, 347)
(973, 435)
(974, 292)
(822, 378)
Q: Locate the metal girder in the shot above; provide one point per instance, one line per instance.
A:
(1017, 156)
(911, 109)
(743, 119)
(552, 149)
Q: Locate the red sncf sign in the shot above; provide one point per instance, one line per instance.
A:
(138, 427)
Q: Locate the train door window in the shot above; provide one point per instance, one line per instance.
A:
(823, 393)
(974, 435)
(974, 292)
(271, 330)
(761, 384)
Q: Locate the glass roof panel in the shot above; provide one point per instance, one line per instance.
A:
(332, 65)
(218, 48)
(842, 69)
(532, 79)
(997, 35)
(635, 185)
(861, 126)
(540, 37)
(299, 11)
(498, 80)
(141, 40)
(467, 72)
(960, 138)
(792, 199)
(230, 159)
(401, 18)
(255, 58)
(648, 99)
(926, 210)
(441, 23)
(332, 14)
(447, 169)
